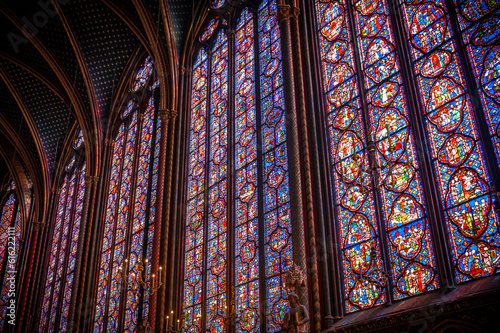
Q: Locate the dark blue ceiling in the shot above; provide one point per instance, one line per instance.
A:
(107, 44)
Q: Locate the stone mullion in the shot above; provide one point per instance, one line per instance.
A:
(231, 181)
(329, 270)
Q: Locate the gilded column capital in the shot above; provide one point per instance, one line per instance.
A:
(166, 115)
(109, 142)
(295, 12)
(38, 225)
(89, 180)
(185, 70)
(284, 12)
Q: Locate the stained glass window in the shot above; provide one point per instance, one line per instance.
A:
(9, 221)
(63, 249)
(375, 166)
(129, 215)
(457, 151)
(479, 24)
(260, 218)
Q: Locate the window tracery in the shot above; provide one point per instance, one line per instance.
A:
(130, 212)
(63, 248)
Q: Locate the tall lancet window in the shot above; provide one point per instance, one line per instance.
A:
(479, 24)
(10, 236)
(370, 71)
(65, 233)
(457, 150)
(237, 228)
(128, 228)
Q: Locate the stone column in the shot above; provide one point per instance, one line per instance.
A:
(293, 144)
(308, 186)
(156, 307)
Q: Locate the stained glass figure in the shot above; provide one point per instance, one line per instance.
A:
(459, 160)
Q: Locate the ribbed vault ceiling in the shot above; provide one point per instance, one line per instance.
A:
(68, 73)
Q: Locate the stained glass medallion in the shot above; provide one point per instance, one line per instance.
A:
(209, 138)
(209, 30)
(218, 3)
(457, 152)
(395, 155)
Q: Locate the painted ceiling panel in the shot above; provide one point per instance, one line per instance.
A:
(106, 43)
(11, 112)
(50, 115)
(180, 13)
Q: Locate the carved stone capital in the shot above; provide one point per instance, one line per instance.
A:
(284, 13)
(230, 33)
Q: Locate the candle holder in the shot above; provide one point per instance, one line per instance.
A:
(151, 286)
(170, 324)
(133, 280)
(128, 283)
